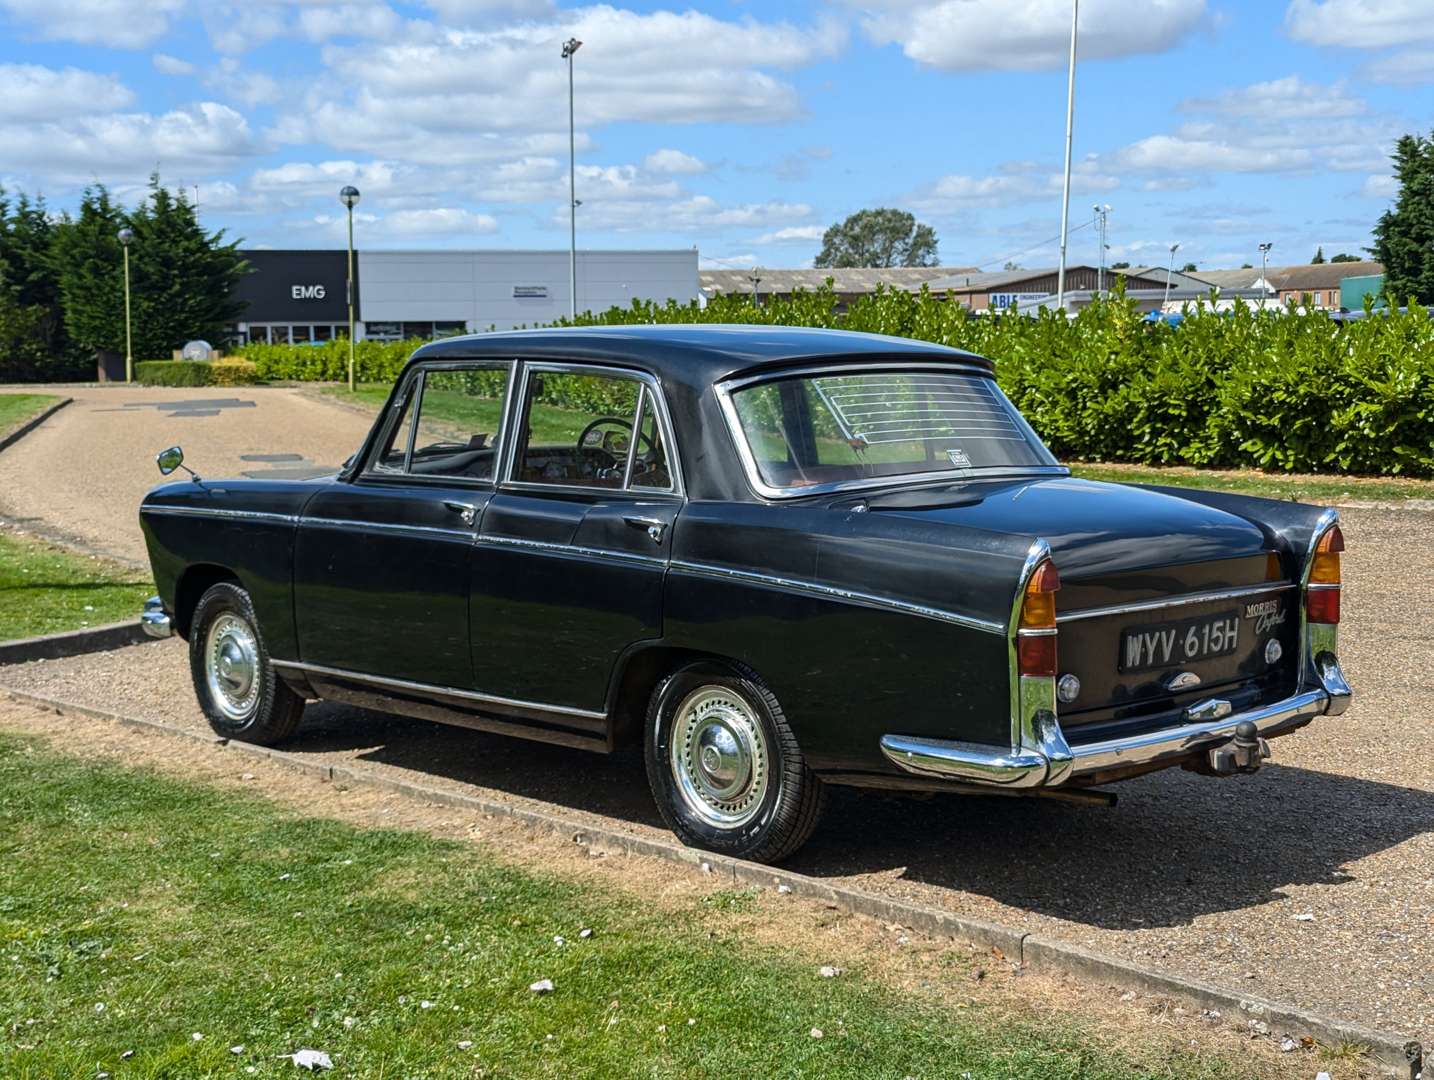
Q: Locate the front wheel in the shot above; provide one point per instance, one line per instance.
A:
(725, 767)
(241, 696)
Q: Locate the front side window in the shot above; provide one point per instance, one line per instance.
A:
(459, 419)
(812, 430)
(582, 429)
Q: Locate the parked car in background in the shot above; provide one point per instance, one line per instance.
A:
(778, 559)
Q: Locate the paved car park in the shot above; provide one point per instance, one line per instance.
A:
(83, 471)
(1311, 882)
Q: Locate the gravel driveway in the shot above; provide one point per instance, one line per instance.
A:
(1311, 882)
(89, 465)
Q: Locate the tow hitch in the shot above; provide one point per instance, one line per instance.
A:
(1242, 754)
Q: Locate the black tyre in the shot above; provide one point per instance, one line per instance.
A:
(724, 766)
(241, 696)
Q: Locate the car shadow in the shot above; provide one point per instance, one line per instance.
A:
(1177, 846)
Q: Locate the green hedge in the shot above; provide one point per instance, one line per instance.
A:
(230, 371)
(1261, 389)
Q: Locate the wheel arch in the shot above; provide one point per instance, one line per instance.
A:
(193, 583)
(638, 673)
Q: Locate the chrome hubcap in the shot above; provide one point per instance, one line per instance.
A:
(231, 666)
(718, 756)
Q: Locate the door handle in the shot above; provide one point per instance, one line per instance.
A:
(655, 527)
(467, 511)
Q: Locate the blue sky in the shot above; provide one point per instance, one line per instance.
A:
(742, 129)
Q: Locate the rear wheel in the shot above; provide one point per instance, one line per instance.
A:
(725, 767)
(240, 694)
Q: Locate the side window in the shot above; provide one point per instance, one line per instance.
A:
(649, 463)
(582, 429)
(394, 451)
(452, 422)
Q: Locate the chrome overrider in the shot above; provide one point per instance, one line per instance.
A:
(1039, 755)
(154, 620)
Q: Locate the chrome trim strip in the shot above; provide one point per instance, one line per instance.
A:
(1319, 642)
(725, 389)
(1006, 768)
(573, 549)
(354, 525)
(1174, 601)
(443, 691)
(205, 511)
(1037, 744)
(834, 592)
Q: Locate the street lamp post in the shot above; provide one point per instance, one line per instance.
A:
(1168, 275)
(349, 196)
(1066, 184)
(1264, 272)
(125, 236)
(571, 46)
(1101, 215)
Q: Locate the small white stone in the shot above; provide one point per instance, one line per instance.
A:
(559, 940)
(816, 1033)
(127, 1055)
(1305, 917)
(827, 971)
(285, 877)
(661, 1027)
(197, 1036)
(247, 776)
(1288, 1044)
(784, 889)
(237, 1050)
(691, 1020)
(542, 986)
(585, 932)
(99, 1006)
(425, 1004)
(311, 1059)
(349, 1021)
(1129, 995)
(465, 1044)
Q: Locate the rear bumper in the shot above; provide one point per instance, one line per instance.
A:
(1055, 762)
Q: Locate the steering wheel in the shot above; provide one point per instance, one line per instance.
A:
(621, 422)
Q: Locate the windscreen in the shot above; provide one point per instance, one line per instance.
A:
(827, 429)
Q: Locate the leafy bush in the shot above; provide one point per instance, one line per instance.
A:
(1249, 388)
(233, 371)
(173, 372)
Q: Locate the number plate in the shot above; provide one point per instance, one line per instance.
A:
(1175, 643)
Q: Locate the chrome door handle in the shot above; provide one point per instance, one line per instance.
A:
(467, 511)
(655, 527)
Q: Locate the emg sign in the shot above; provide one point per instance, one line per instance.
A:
(307, 292)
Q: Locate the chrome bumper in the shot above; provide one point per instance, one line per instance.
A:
(154, 620)
(1055, 762)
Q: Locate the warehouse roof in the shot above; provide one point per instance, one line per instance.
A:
(855, 280)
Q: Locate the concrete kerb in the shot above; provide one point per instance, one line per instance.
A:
(30, 425)
(73, 642)
(1024, 950)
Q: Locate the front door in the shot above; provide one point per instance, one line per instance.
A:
(569, 568)
(382, 564)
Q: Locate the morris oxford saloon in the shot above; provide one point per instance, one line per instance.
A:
(778, 559)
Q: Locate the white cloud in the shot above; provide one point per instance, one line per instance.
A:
(459, 95)
(1014, 182)
(249, 87)
(348, 20)
(325, 178)
(171, 65)
(466, 13)
(32, 92)
(1026, 35)
(674, 162)
(1379, 187)
(1359, 24)
(793, 233)
(1280, 97)
(197, 140)
(693, 214)
(124, 24)
(439, 220)
(1409, 67)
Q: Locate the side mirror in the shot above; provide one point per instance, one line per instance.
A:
(169, 460)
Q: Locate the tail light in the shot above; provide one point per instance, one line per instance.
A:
(1036, 635)
(1322, 593)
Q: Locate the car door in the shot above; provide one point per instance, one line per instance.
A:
(569, 567)
(383, 563)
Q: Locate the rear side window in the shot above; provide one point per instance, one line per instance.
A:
(591, 430)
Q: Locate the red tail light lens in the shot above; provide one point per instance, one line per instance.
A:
(1322, 595)
(1036, 636)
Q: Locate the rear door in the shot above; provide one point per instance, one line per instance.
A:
(573, 549)
(382, 564)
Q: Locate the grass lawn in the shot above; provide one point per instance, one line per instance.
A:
(151, 928)
(15, 409)
(460, 415)
(45, 589)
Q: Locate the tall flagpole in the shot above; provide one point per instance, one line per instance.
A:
(1066, 185)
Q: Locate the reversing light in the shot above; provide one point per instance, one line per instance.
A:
(1322, 594)
(1036, 635)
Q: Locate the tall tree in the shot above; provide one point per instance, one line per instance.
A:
(1319, 256)
(1344, 257)
(1404, 235)
(88, 263)
(182, 278)
(882, 237)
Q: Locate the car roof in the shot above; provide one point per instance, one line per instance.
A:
(698, 355)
